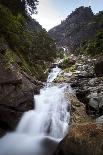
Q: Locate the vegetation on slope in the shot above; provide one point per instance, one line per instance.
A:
(32, 49)
(80, 32)
(93, 46)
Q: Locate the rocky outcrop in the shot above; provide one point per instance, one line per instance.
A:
(78, 27)
(89, 90)
(17, 90)
(85, 135)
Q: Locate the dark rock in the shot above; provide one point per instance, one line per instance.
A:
(74, 84)
(99, 68)
(88, 87)
(16, 96)
(82, 96)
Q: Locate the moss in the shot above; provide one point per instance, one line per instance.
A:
(10, 56)
(70, 69)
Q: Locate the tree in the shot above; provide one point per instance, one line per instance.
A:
(21, 6)
(30, 5)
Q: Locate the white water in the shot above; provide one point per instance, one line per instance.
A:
(53, 74)
(40, 130)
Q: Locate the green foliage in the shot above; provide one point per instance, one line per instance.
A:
(92, 47)
(43, 47)
(18, 6)
(99, 17)
(10, 56)
(60, 53)
(10, 27)
(31, 5)
(32, 47)
(65, 63)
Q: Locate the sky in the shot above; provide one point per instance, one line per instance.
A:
(51, 12)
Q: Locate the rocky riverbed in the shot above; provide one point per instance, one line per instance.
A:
(85, 136)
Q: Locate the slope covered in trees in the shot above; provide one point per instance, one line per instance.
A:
(25, 38)
(18, 6)
(78, 28)
(26, 51)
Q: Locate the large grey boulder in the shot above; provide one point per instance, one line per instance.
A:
(16, 96)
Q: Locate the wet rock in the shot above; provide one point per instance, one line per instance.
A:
(16, 96)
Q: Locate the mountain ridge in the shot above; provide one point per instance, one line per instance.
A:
(79, 26)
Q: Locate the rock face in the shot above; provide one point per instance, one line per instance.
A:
(17, 91)
(89, 90)
(79, 26)
(85, 139)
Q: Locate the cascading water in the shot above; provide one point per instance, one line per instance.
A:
(40, 130)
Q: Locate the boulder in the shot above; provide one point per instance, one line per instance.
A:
(99, 68)
(96, 101)
(82, 139)
(16, 96)
(100, 119)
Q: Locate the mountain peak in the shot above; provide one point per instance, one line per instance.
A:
(79, 26)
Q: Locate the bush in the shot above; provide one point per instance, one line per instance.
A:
(92, 47)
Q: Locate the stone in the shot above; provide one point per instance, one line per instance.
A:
(16, 96)
(99, 68)
(82, 139)
(99, 119)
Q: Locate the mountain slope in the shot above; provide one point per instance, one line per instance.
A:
(24, 50)
(79, 26)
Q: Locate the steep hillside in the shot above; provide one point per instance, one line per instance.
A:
(79, 26)
(24, 50)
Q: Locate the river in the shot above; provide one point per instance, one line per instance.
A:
(40, 130)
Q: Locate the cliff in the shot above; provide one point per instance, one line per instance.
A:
(79, 26)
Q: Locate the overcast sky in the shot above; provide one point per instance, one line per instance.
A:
(51, 12)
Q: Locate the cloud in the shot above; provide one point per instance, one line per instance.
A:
(47, 15)
(51, 12)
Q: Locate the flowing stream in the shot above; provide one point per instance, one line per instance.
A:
(40, 130)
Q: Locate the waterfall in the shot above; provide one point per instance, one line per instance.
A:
(40, 130)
